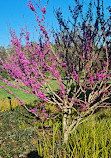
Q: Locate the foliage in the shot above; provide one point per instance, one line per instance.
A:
(3, 56)
(2, 53)
(25, 134)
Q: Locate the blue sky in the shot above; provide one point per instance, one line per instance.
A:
(13, 13)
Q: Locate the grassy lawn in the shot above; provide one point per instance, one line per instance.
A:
(25, 97)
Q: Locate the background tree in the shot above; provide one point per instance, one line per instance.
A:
(2, 53)
(3, 56)
(70, 40)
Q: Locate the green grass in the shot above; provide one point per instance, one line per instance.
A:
(92, 138)
(25, 97)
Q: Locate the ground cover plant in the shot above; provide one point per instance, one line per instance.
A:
(33, 66)
(27, 135)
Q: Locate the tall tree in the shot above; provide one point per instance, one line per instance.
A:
(74, 99)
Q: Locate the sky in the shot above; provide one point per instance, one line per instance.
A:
(15, 14)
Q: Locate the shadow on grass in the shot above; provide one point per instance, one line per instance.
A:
(33, 154)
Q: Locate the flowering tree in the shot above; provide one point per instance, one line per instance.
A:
(75, 99)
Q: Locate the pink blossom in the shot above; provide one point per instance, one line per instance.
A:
(5, 80)
(6, 89)
(27, 36)
(70, 99)
(57, 109)
(9, 84)
(54, 64)
(43, 10)
(95, 57)
(45, 115)
(60, 79)
(42, 120)
(32, 110)
(45, 99)
(1, 86)
(84, 109)
(22, 29)
(43, 110)
(31, 6)
(75, 75)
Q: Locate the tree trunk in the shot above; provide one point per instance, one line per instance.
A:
(65, 125)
